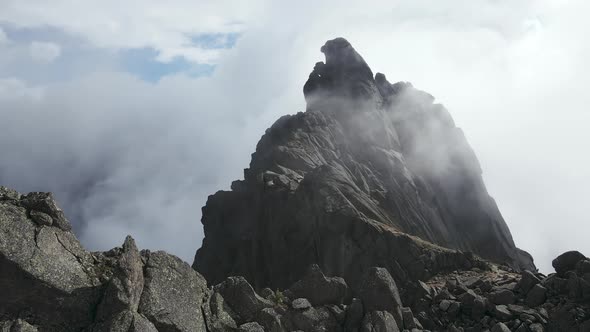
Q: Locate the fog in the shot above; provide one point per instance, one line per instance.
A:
(125, 156)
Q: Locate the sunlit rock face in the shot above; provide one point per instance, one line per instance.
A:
(371, 174)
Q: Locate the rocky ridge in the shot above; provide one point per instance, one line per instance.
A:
(50, 283)
(367, 212)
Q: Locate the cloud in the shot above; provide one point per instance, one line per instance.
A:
(167, 27)
(125, 156)
(13, 89)
(44, 52)
(3, 38)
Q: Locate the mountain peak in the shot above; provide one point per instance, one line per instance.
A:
(345, 74)
(370, 168)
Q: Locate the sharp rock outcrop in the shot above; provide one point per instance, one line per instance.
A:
(371, 174)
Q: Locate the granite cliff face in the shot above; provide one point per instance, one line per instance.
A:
(371, 174)
(365, 213)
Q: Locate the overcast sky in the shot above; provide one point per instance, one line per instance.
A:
(132, 112)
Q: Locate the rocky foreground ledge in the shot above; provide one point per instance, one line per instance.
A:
(49, 282)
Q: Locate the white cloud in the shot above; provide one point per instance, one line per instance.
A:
(166, 26)
(3, 37)
(44, 52)
(513, 75)
(13, 89)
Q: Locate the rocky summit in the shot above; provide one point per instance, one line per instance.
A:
(367, 212)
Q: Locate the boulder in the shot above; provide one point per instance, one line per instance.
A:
(310, 319)
(379, 293)
(408, 317)
(318, 288)
(567, 261)
(527, 281)
(251, 327)
(173, 293)
(124, 289)
(300, 304)
(270, 319)
(500, 327)
(502, 313)
(45, 203)
(242, 298)
(17, 325)
(42, 265)
(502, 296)
(218, 315)
(379, 321)
(536, 296)
(354, 316)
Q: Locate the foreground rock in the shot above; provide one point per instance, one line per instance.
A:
(123, 289)
(51, 283)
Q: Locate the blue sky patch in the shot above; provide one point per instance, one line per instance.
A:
(78, 57)
(215, 40)
(142, 63)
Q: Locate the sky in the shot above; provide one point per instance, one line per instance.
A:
(133, 112)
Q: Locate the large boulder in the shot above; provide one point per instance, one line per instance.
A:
(17, 325)
(379, 293)
(241, 298)
(567, 261)
(379, 321)
(318, 288)
(173, 294)
(45, 274)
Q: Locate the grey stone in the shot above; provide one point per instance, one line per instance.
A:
(300, 304)
(311, 319)
(379, 293)
(500, 327)
(141, 324)
(319, 289)
(527, 281)
(479, 308)
(267, 293)
(567, 261)
(124, 290)
(502, 296)
(444, 305)
(536, 328)
(44, 202)
(8, 194)
(40, 266)
(42, 219)
(270, 319)
(536, 296)
(408, 318)
(17, 325)
(251, 327)
(502, 313)
(218, 316)
(354, 316)
(379, 321)
(242, 298)
(173, 293)
(454, 309)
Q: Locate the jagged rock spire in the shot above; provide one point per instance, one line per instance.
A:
(345, 74)
(372, 174)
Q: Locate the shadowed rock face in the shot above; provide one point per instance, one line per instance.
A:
(372, 174)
